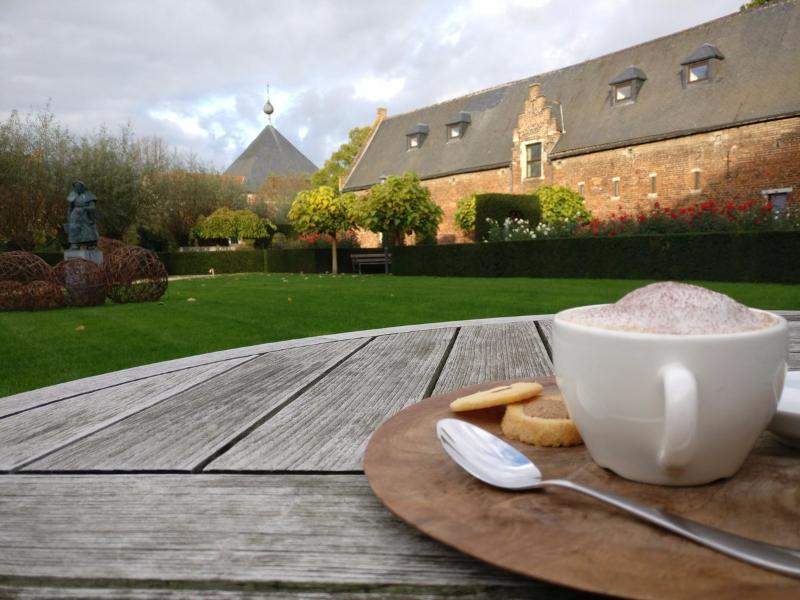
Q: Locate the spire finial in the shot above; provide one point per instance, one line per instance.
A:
(268, 109)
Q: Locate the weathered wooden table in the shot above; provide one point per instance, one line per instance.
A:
(240, 472)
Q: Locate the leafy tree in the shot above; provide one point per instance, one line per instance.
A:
(465, 214)
(322, 211)
(179, 196)
(400, 206)
(559, 203)
(341, 160)
(34, 180)
(754, 4)
(233, 224)
(274, 199)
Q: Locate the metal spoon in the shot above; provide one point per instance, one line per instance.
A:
(495, 462)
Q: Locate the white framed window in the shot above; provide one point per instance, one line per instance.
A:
(532, 159)
(413, 142)
(453, 131)
(623, 92)
(457, 126)
(653, 185)
(581, 188)
(698, 72)
(615, 188)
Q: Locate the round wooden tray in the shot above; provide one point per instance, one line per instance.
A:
(566, 538)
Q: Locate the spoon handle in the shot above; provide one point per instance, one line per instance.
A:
(769, 556)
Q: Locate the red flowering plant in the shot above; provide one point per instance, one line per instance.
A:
(347, 239)
(706, 217)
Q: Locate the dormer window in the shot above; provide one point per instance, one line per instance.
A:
(623, 92)
(698, 71)
(416, 137)
(625, 86)
(699, 66)
(457, 126)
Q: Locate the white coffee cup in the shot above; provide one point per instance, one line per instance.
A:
(669, 409)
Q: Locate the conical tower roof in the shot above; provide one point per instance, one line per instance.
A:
(269, 154)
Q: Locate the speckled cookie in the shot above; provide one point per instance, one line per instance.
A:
(541, 421)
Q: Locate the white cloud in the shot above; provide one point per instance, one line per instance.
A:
(379, 89)
(187, 124)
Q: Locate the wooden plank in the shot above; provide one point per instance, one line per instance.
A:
(60, 391)
(182, 432)
(44, 429)
(327, 428)
(546, 329)
(494, 352)
(524, 591)
(794, 345)
(311, 530)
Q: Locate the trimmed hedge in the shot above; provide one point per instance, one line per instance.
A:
(500, 206)
(315, 260)
(198, 263)
(753, 256)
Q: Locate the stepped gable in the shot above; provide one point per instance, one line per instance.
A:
(759, 52)
(269, 154)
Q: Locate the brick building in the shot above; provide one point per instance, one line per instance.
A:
(712, 112)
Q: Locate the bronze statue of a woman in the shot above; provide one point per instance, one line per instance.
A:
(81, 224)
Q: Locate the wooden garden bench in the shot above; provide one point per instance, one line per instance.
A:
(370, 259)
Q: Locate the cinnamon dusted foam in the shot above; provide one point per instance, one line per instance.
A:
(673, 308)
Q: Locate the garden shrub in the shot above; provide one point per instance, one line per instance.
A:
(501, 206)
(740, 256)
(465, 215)
(559, 203)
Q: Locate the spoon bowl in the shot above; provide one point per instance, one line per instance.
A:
(491, 460)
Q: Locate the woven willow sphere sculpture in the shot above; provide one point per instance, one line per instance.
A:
(134, 274)
(28, 283)
(109, 245)
(83, 281)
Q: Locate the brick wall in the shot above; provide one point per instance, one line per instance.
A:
(733, 164)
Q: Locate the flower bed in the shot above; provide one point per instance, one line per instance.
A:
(705, 217)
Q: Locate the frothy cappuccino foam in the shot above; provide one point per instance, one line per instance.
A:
(673, 308)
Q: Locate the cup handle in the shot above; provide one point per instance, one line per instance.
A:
(680, 417)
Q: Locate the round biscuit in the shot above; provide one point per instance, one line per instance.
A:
(538, 431)
(504, 394)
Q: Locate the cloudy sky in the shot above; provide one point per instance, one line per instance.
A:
(195, 72)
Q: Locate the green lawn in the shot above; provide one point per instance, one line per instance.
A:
(43, 348)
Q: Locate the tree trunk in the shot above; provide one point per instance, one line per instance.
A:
(334, 262)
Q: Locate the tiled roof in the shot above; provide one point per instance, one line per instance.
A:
(756, 80)
(269, 154)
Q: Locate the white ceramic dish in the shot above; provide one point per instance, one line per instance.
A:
(786, 424)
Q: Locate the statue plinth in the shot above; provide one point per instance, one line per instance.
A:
(94, 255)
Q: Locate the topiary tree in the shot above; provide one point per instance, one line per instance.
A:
(559, 203)
(233, 224)
(322, 211)
(465, 215)
(400, 206)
